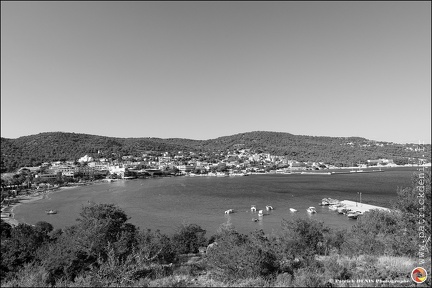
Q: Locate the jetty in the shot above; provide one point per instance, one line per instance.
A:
(362, 207)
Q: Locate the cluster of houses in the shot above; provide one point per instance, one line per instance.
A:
(183, 163)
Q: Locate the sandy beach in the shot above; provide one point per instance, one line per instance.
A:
(24, 199)
(9, 209)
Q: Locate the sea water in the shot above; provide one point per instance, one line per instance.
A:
(166, 203)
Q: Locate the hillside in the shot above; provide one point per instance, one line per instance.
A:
(34, 149)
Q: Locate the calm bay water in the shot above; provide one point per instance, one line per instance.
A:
(167, 203)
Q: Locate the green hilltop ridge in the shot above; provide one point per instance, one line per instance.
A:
(341, 151)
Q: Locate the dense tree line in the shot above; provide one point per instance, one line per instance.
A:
(36, 149)
(103, 250)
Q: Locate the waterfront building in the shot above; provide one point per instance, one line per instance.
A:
(185, 168)
(98, 166)
(65, 170)
(30, 169)
(85, 170)
(117, 169)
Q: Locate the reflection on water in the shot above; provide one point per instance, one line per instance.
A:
(166, 203)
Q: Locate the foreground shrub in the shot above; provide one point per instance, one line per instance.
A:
(173, 281)
(382, 233)
(305, 237)
(21, 248)
(156, 247)
(123, 272)
(29, 275)
(236, 256)
(5, 229)
(102, 229)
(312, 276)
(188, 239)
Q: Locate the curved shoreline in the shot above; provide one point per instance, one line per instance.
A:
(38, 195)
(10, 209)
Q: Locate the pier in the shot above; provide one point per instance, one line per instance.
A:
(362, 207)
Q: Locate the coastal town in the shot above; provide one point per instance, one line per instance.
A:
(30, 183)
(236, 163)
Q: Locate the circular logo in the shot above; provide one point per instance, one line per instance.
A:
(419, 275)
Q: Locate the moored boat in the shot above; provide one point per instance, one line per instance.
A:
(342, 210)
(353, 214)
(293, 210)
(268, 208)
(311, 210)
(333, 207)
(51, 211)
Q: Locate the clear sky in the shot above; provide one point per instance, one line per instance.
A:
(201, 70)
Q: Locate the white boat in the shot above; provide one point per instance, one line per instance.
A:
(293, 210)
(311, 210)
(51, 211)
(333, 207)
(324, 202)
(333, 202)
(342, 210)
(353, 214)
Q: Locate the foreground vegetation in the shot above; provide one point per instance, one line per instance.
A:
(103, 250)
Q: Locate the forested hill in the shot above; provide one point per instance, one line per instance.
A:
(34, 149)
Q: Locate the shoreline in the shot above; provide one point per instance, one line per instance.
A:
(40, 194)
(35, 196)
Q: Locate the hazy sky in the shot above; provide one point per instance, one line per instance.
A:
(202, 70)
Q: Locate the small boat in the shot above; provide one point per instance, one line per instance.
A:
(268, 208)
(293, 210)
(51, 211)
(311, 210)
(260, 213)
(353, 214)
(254, 220)
(332, 201)
(342, 210)
(324, 202)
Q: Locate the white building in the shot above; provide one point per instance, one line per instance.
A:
(66, 170)
(116, 169)
(98, 166)
(85, 158)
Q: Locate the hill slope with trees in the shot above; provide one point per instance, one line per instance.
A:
(53, 146)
